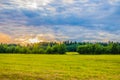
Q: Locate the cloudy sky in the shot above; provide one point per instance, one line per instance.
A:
(56, 20)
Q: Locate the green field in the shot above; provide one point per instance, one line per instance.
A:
(59, 67)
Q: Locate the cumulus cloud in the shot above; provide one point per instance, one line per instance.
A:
(27, 4)
(114, 2)
(21, 33)
(24, 34)
(5, 38)
(68, 1)
(49, 20)
(86, 34)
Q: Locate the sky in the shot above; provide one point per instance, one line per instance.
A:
(30, 21)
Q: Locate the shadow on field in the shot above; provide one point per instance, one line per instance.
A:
(18, 77)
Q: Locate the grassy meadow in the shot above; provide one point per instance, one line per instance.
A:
(59, 67)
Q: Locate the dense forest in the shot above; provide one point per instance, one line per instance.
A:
(62, 48)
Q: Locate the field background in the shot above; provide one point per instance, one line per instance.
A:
(59, 67)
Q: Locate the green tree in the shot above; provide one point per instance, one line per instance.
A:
(49, 50)
(62, 49)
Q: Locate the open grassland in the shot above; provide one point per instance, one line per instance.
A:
(59, 67)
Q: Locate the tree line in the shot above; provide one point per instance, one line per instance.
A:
(93, 48)
(62, 48)
(36, 48)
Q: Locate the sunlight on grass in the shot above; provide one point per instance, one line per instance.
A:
(59, 67)
(72, 53)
